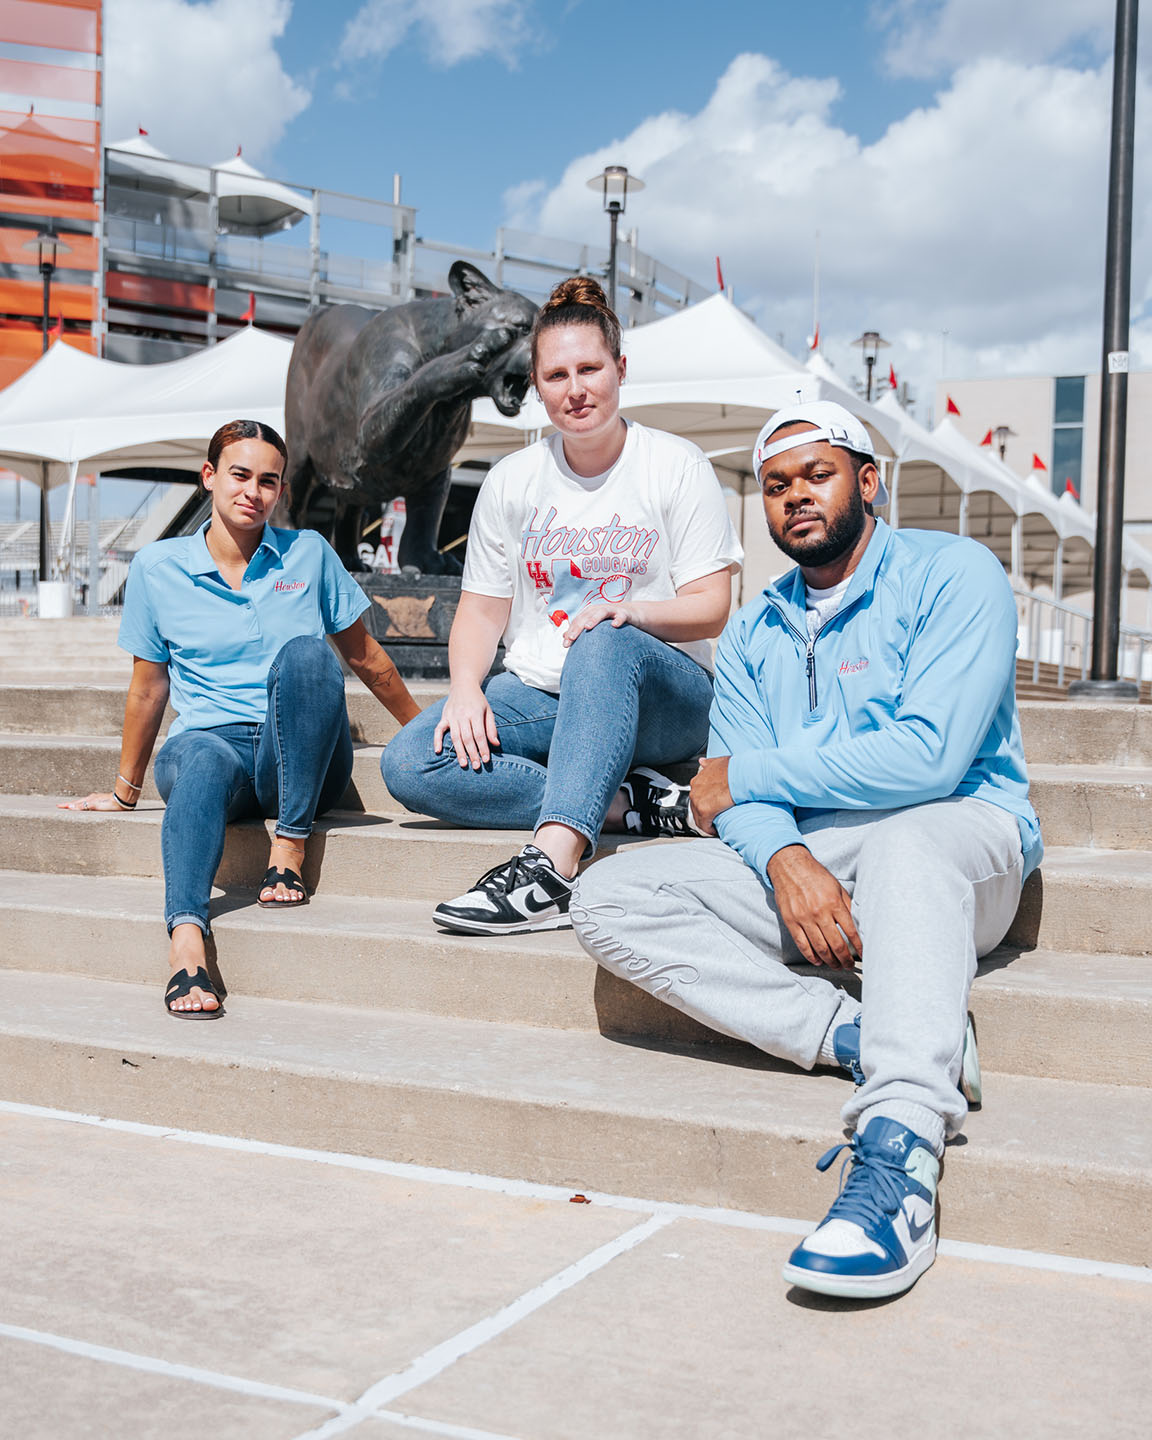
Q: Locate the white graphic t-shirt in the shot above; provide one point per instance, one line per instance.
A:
(555, 541)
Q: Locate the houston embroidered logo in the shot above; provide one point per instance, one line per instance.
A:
(289, 587)
(853, 667)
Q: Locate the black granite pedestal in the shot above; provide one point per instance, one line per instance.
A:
(411, 616)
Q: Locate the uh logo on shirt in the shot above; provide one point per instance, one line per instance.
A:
(592, 565)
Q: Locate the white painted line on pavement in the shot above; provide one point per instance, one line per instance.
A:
(435, 1361)
(495, 1184)
(170, 1369)
(347, 1414)
(438, 1427)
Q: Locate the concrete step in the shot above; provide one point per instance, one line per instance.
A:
(1098, 902)
(34, 708)
(1078, 734)
(1061, 1016)
(1092, 901)
(28, 674)
(394, 856)
(1054, 733)
(73, 765)
(1047, 1165)
(1103, 807)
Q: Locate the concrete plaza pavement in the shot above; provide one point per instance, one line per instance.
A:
(191, 1287)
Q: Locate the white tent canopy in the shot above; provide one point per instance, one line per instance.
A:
(72, 411)
(247, 201)
(138, 159)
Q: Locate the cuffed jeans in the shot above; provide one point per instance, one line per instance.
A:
(295, 765)
(933, 887)
(625, 699)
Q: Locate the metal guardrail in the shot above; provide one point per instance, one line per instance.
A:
(1067, 641)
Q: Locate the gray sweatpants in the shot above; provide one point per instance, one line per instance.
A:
(933, 887)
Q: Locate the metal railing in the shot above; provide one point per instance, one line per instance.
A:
(1066, 641)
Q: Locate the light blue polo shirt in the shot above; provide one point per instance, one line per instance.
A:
(219, 643)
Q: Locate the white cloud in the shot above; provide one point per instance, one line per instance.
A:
(449, 30)
(982, 214)
(200, 78)
(934, 37)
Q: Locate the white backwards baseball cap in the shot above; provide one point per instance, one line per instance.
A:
(833, 423)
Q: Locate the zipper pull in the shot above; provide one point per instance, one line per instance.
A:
(811, 673)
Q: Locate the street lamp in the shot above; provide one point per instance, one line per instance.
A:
(871, 343)
(1001, 434)
(1105, 683)
(614, 182)
(48, 248)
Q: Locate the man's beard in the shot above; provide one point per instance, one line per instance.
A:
(841, 532)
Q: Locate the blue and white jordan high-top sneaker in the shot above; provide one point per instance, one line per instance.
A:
(846, 1043)
(880, 1234)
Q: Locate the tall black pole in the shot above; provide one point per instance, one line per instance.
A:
(43, 574)
(46, 271)
(1104, 684)
(613, 221)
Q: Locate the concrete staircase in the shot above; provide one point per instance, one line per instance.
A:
(354, 1025)
(82, 650)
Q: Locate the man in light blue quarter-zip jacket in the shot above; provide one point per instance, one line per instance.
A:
(866, 782)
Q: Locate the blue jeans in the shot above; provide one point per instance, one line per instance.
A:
(625, 699)
(295, 765)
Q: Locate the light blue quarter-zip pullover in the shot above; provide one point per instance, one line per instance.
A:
(905, 695)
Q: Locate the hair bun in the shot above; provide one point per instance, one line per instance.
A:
(578, 290)
(579, 300)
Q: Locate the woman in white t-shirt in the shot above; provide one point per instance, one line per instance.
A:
(602, 555)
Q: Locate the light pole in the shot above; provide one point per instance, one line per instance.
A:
(1104, 682)
(1001, 434)
(871, 343)
(48, 249)
(614, 183)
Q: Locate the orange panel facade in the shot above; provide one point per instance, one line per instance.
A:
(159, 294)
(50, 174)
(60, 26)
(56, 82)
(18, 247)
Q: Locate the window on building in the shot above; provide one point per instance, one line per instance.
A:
(1068, 434)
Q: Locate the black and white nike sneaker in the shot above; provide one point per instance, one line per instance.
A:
(656, 805)
(525, 893)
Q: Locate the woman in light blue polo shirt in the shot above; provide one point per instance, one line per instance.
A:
(230, 622)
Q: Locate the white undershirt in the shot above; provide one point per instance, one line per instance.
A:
(821, 605)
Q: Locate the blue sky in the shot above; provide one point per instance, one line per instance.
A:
(951, 153)
(463, 134)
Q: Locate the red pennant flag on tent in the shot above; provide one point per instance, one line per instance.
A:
(1070, 489)
(892, 376)
(250, 314)
(719, 276)
(1037, 463)
(814, 342)
(58, 329)
(140, 130)
(987, 440)
(953, 408)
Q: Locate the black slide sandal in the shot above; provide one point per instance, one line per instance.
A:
(288, 878)
(181, 984)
